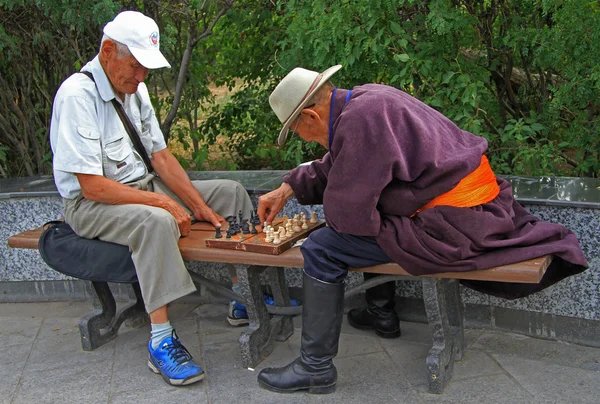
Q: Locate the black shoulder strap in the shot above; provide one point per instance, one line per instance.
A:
(131, 130)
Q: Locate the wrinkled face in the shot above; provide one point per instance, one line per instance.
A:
(311, 126)
(124, 73)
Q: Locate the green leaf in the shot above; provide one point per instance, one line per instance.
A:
(403, 57)
(396, 28)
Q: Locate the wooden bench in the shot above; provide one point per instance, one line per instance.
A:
(440, 293)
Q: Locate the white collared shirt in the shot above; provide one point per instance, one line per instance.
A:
(88, 137)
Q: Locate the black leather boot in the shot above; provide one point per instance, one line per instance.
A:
(321, 324)
(380, 313)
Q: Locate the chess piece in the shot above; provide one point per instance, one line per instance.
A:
(313, 217)
(240, 216)
(245, 227)
(253, 230)
(255, 219)
(289, 232)
(304, 224)
(276, 239)
(282, 235)
(235, 227)
(265, 226)
(229, 233)
(218, 232)
(269, 237)
(296, 226)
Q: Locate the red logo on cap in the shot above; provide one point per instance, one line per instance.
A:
(154, 38)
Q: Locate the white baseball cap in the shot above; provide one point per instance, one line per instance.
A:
(140, 34)
(293, 93)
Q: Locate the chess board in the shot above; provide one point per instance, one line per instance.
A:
(256, 242)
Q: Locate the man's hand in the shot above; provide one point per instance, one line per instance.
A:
(206, 214)
(184, 221)
(176, 179)
(269, 205)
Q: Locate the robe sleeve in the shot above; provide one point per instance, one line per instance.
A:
(309, 181)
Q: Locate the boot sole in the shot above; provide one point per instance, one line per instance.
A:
(381, 333)
(312, 390)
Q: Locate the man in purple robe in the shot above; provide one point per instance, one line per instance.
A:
(400, 183)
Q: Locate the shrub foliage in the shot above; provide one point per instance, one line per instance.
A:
(523, 74)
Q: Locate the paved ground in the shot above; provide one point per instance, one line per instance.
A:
(42, 362)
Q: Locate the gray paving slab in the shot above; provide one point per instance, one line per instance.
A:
(213, 325)
(550, 383)
(409, 357)
(19, 330)
(10, 380)
(546, 351)
(42, 361)
(370, 378)
(58, 345)
(40, 310)
(497, 389)
(163, 394)
(84, 383)
(228, 382)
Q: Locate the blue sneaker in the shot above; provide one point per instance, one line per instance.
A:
(173, 362)
(238, 316)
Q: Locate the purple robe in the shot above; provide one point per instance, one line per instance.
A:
(391, 154)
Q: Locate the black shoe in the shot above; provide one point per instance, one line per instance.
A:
(296, 377)
(384, 321)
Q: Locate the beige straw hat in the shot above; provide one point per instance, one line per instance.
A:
(293, 93)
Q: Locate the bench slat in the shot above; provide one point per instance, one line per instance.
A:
(193, 248)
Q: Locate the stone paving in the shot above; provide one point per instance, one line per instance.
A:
(42, 362)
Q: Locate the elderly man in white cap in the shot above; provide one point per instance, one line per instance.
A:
(400, 182)
(121, 184)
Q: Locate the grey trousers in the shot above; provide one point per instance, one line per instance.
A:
(152, 233)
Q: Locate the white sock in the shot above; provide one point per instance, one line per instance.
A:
(236, 288)
(160, 332)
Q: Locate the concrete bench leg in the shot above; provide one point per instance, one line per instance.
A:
(101, 325)
(444, 313)
(283, 325)
(257, 341)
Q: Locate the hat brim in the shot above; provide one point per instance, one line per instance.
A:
(286, 126)
(149, 58)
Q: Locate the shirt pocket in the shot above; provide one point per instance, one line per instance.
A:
(119, 161)
(88, 142)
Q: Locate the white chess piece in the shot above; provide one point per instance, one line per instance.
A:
(304, 224)
(276, 239)
(269, 234)
(313, 217)
(282, 235)
(296, 226)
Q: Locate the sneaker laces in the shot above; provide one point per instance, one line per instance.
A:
(177, 351)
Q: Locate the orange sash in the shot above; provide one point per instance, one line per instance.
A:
(477, 188)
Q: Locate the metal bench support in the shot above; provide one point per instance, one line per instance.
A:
(101, 326)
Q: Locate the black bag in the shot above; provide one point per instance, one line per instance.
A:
(93, 260)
